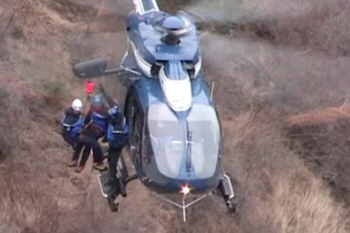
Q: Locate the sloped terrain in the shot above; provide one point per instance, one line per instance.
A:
(277, 58)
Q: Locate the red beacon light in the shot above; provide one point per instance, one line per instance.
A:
(89, 87)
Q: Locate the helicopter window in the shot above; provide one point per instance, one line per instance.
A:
(170, 141)
(155, 69)
(192, 67)
(188, 65)
(205, 141)
(166, 135)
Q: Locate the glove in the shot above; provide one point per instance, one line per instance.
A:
(113, 111)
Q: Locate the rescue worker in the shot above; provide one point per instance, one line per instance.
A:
(72, 124)
(96, 124)
(117, 136)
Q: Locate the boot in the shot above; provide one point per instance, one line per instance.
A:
(73, 163)
(100, 166)
(79, 169)
(112, 204)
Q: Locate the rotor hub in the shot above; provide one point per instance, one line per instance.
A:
(173, 23)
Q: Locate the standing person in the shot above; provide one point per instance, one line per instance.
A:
(118, 138)
(72, 124)
(96, 124)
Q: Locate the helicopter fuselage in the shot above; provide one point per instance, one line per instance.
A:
(160, 148)
(175, 136)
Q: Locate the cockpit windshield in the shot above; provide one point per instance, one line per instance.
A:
(174, 150)
(204, 127)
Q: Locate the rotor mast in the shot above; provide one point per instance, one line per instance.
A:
(144, 6)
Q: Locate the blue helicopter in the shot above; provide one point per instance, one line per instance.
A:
(176, 144)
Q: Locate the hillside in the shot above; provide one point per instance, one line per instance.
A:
(270, 59)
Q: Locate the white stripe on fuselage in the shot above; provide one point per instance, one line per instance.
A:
(142, 63)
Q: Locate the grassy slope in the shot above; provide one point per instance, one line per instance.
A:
(256, 84)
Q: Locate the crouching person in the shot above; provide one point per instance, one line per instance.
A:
(117, 136)
(72, 124)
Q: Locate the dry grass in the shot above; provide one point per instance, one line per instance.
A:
(34, 85)
(325, 149)
(27, 162)
(276, 191)
(258, 83)
(307, 25)
(279, 193)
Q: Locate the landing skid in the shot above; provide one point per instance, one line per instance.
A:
(225, 189)
(106, 189)
(109, 192)
(183, 204)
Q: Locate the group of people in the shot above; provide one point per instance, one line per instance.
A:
(84, 133)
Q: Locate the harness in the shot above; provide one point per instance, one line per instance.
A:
(99, 122)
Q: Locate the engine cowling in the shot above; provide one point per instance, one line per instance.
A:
(176, 85)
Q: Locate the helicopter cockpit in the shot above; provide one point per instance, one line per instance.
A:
(184, 148)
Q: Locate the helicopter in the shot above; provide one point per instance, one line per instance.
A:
(175, 136)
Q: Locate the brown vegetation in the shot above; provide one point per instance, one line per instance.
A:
(288, 180)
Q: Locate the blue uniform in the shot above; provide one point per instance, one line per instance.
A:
(117, 136)
(72, 125)
(99, 121)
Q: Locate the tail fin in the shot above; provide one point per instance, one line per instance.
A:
(144, 6)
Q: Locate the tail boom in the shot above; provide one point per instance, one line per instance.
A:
(144, 6)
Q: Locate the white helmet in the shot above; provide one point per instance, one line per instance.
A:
(77, 105)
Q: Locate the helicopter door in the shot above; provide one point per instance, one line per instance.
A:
(137, 132)
(146, 141)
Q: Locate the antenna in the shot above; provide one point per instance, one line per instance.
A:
(212, 92)
(189, 143)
